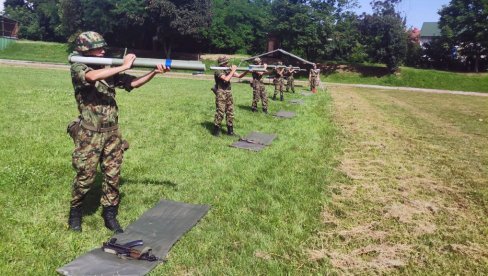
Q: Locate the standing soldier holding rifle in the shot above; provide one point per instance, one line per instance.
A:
(95, 132)
(314, 78)
(224, 104)
(290, 81)
(278, 80)
(258, 88)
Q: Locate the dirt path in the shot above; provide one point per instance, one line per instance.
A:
(414, 196)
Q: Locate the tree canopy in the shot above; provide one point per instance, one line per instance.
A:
(318, 30)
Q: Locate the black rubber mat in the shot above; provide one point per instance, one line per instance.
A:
(296, 101)
(255, 141)
(285, 114)
(159, 227)
(259, 138)
(249, 146)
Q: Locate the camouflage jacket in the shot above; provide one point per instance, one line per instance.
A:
(219, 82)
(96, 101)
(314, 73)
(258, 77)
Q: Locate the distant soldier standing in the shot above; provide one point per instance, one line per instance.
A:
(278, 80)
(290, 81)
(258, 88)
(95, 132)
(314, 78)
(224, 103)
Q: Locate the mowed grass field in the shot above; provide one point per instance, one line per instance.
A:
(360, 181)
(264, 206)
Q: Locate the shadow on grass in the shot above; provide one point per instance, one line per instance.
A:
(245, 107)
(209, 126)
(91, 203)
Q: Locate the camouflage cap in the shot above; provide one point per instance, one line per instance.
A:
(222, 60)
(89, 40)
(257, 60)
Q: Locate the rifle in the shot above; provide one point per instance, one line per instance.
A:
(139, 62)
(126, 251)
(250, 69)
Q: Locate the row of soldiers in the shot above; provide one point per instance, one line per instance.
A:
(223, 96)
(96, 135)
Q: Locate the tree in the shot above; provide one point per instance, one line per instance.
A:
(463, 23)
(38, 18)
(179, 21)
(238, 26)
(384, 33)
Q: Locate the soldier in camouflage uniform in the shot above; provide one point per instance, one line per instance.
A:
(314, 78)
(290, 80)
(258, 88)
(224, 104)
(95, 132)
(278, 81)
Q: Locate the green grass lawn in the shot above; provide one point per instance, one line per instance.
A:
(265, 206)
(420, 78)
(36, 51)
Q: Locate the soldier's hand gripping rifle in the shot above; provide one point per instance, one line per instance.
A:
(127, 250)
(139, 62)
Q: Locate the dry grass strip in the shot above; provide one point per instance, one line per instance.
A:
(411, 164)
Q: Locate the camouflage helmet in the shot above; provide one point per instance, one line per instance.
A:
(89, 40)
(280, 63)
(222, 60)
(257, 60)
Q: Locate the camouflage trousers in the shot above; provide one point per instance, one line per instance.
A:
(278, 84)
(93, 148)
(290, 84)
(259, 93)
(224, 104)
(314, 83)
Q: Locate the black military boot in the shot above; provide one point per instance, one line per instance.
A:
(74, 220)
(230, 130)
(274, 97)
(109, 215)
(281, 98)
(216, 131)
(253, 109)
(265, 111)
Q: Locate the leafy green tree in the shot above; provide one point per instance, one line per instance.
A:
(180, 22)
(384, 34)
(238, 26)
(464, 23)
(38, 18)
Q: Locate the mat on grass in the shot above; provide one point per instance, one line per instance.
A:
(160, 228)
(255, 141)
(285, 114)
(307, 93)
(297, 101)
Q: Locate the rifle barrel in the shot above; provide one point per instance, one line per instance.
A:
(139, 62)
